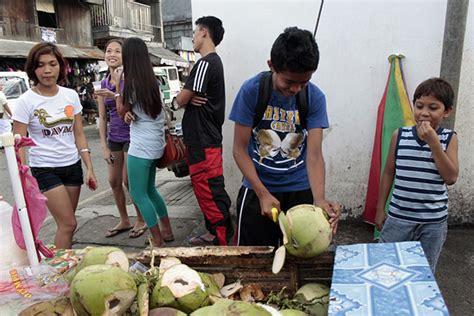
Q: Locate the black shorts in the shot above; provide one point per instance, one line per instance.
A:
(253, 229)
(118, 146)
(50, 177)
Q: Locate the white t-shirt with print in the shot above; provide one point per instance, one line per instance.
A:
(50, 123)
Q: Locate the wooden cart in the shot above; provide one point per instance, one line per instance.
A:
(250, 265)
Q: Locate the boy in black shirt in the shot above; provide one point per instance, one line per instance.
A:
(203, 97)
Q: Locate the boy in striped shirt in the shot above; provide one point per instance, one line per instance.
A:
(422, 161)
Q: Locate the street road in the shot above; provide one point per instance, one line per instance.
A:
(100, 168)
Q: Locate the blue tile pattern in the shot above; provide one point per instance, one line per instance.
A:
(384, 279)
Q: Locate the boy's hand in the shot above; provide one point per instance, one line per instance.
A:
(426, 133)
(380, 219)
(333, 209)
(267, 202)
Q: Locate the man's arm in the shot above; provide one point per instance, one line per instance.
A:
(386, 182)
(242, 136)
(186, 97)
(317, 175)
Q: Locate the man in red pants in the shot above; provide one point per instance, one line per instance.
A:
(203, 97)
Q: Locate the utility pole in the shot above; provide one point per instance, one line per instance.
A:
(453, 45)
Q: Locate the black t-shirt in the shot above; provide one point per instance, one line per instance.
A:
(202, 125)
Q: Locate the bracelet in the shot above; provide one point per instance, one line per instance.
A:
(117, 95)
(85, 150)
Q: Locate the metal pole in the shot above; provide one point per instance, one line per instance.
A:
(453, 45)
(8, 143)
(317, 20)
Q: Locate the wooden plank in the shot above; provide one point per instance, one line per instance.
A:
(249, 264)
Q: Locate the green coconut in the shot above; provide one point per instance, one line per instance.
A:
(306, 233)
(224, 307)
(315, 296)
(180, 287)
(143, 298)
(100, 255)
(292, 312)
(165, 311)
(212, 288)
(102, 290)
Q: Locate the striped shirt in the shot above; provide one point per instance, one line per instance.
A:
(420, 194)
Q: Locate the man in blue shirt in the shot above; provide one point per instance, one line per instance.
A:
(280, 156)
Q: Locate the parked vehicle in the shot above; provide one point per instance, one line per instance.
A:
(14, 84)
(174, 85)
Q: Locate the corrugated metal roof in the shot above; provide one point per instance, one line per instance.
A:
(166, 57)
(20, 49)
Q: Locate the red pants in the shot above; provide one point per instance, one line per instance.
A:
(205, 169)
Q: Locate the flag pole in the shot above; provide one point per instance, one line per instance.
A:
(8, 143)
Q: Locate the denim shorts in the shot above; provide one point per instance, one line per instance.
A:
(431, 236)
(118, 146)
(50, 177)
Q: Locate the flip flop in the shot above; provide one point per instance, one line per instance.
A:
(200, 241)
(137, 233)
(116, 231)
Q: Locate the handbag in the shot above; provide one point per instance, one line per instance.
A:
(175, 151)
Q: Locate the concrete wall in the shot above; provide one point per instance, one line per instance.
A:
(355, 38)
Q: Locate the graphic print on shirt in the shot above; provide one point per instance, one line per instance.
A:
(277, 123)
(62, 125)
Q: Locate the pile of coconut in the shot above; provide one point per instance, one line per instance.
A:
(102, 285)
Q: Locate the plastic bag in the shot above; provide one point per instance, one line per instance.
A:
(22, 287)
(35, 203)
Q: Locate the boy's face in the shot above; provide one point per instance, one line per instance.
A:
(430, 109)
(289, 83)
(198, 37)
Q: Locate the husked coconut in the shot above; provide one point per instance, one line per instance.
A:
(315, 296)
(102, 290)
(168, 262)
(180, 287)
(306, 233)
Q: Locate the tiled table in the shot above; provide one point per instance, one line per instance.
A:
(384, 279)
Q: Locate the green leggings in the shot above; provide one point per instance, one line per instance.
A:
(141, 181)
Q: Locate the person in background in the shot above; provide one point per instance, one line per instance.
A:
(422, 161)
(5, 125)
(115, 141)
(281, 156)
(51, 115)
(140, 103)
(203, 97)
